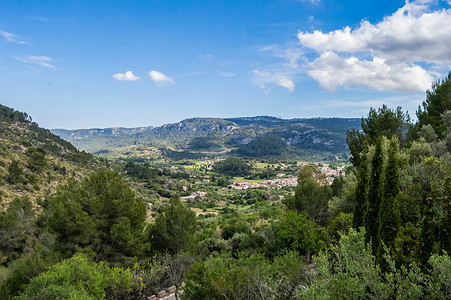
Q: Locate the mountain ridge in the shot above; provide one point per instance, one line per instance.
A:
(319, 134)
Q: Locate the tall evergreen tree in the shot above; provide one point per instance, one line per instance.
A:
(361, 195)
(374, 195)
(389, 214)
(438, 101)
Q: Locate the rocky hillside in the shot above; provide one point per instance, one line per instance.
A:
(206, 134)
(33, 161)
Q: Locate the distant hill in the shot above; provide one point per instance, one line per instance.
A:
(196, 137)
(33, 160)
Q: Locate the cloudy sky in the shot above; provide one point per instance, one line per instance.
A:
(80, 64)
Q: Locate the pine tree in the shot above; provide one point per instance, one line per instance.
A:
(374, 196)
(361, 191)
(389, 213)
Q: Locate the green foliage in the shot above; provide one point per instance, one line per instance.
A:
(339, 225)
(36, 159)
(234, 226)
(389, 214)
(374, 195)
(81, 278)
(382, 122)
(302, 234)
(204, 143)
(361, 192)
(173, 228)
(440, 269)
(386, 122)
(438, 101)
(21, 271)
(355, 140)
(250, 277)
(17, 230)
(264, 146)
(141, 172)
(10, 114)
(345, 201)
(100, 213)
(347, 271)
(15, 173)
(310, 196)
(232, 167)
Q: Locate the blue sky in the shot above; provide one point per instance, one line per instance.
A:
(82, 64)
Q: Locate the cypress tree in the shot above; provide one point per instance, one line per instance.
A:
(374, 196)
(361, 190)
(389, 213)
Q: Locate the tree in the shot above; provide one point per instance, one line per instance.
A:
(300, 232)
(438, 101)
(361, 193)
(17, 230)
(355, 140)
(389, 214)
(173, 228)
(36, 159)
(381, 122)
(386, 122)
(100, 213)
(15, 172)
(310, 196)
(374, 195)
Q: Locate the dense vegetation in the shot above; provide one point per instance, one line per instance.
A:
(380, 231)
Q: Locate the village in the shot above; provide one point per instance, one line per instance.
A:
(282, 180)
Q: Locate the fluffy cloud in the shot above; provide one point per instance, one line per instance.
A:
(10, 37)
(127, 76)
(414, 34)
(160, 79)
(332, 71)
(277, 79)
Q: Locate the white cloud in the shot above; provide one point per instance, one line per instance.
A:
(312, 1)
(332, 71)
(265, 89)
(204, 56)
(226, 74)
(127, 76)
(413, 33)
(277, 79)
(160, 79)
(43, 61)
(291, 55)
(12, 38)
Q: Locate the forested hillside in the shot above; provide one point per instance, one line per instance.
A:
(33, 161)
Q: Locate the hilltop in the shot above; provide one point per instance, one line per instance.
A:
(33, 161)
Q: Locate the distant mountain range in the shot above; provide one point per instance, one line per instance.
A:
(207, 135)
